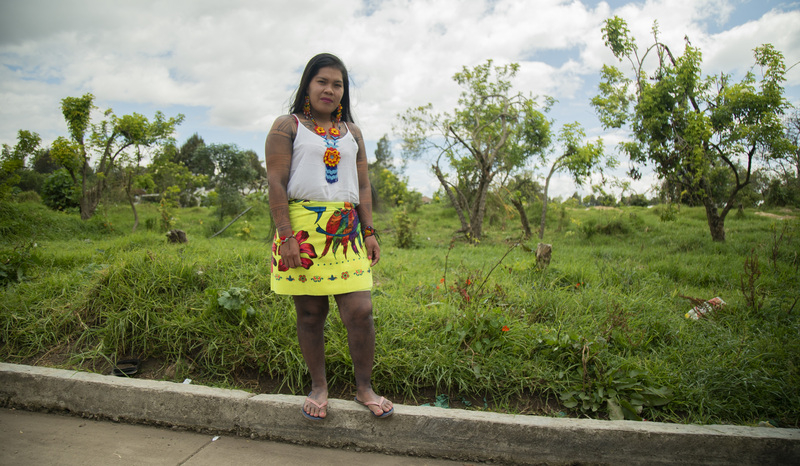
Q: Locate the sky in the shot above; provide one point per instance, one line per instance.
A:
(231, 67)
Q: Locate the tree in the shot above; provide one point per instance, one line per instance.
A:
(522, 189)
(259, 181)
(491, 132)
(687, 125)
(579, 159)
(103, 143)
(386, 180)
(383, 157)
(233, 173)
(170, 177)
(12, 160)
(190, 155)
(784, 187)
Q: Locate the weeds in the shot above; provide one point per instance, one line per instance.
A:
(15, 262)
(749, 285)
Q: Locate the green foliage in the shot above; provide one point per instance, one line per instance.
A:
(245, 230)
(229, 202)
(233, 166)
(600, 333)
(28, 196)
(15, 262)
(12, 161)
(405, 229)
(103, 146)
(233, 304)
(491, 131)
(175, 178)
(667, 212)
(691, 128)
(59, 191)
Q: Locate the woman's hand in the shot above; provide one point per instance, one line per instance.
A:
(290, 253)
(373, 250)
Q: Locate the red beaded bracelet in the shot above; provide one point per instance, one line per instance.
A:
(369, 231)
(283, 239)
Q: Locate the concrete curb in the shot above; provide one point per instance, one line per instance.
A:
(412, 430)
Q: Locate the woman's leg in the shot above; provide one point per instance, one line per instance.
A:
(311, 314)
(356, 312)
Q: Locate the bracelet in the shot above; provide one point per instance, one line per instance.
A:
(283, 239)
(369, 231)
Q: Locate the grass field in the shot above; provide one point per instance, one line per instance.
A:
(601, 332)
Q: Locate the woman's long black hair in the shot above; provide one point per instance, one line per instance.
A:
(322, 60)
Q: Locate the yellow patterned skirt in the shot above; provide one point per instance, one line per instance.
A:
(332, 252)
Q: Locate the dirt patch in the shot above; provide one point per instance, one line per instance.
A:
(603, 207)
(775, 216)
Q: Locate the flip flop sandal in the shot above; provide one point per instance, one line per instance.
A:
(378, 403)
(318, 405)
(129, 367)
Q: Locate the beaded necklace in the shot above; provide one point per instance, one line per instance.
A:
(331, 156)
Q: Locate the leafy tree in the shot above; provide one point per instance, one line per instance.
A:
(791, 164)
(387, 183)
(233, 173)
(491, 132)
(259, 181)
(521, 190)
(687, 125)
(579, 159)
(12, 160)
(198, 162)
(102, 143)
(784, 188)
(170, 177)
(383, 157)
(43, 162)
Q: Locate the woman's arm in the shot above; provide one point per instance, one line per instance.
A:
(278, 155)
(365, 195)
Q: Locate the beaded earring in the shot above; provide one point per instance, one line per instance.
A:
(307, 108)
(339, 114)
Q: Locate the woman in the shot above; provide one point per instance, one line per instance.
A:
(319, 197)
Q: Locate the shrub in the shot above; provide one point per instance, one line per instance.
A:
(59, 192)
(28, 196)
(404, 229)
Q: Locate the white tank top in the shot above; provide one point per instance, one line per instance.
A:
(307, 172)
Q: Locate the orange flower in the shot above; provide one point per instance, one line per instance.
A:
(332, 157)
(505, 328)
(319, 130)
(334, 132)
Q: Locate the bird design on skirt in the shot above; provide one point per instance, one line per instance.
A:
(341, 230)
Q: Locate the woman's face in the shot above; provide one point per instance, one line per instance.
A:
(326, 90)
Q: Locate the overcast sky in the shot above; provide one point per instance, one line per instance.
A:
(231, 66)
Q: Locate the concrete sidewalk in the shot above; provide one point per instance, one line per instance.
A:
(423, 432)
(40, 438)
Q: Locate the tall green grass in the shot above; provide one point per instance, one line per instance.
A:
(601, 332)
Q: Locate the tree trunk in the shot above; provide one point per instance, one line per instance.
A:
(544, 200)
(90, 200)
(479, 210)
(133, 208)
(456, 205)
(523, 217)
(716, 222)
